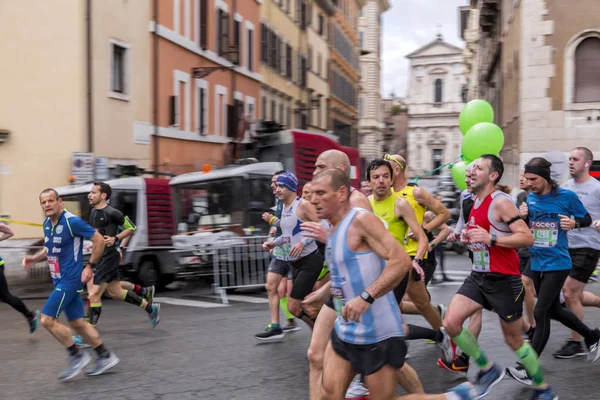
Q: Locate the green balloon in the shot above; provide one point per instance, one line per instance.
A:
(473, 113)
(483, 138)
(458, 174)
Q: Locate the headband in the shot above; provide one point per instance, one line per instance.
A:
(544, 172)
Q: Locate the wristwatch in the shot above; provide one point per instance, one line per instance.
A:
(367, 297)
(91, 264)
(493, 239)
(420, 262)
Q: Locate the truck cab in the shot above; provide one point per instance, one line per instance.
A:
(147, 202)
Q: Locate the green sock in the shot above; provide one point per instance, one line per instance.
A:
(468, 344)
(531, 363)
(283, 304)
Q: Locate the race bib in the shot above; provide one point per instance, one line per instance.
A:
(54, 267)
(545, 234)
(283, 251)
(339, 301)
(481, 257)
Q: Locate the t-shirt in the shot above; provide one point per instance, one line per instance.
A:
(589, 194)
(64, 242)
(550, 248)
(107, 221)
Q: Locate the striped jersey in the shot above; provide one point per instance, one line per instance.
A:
(351, 273)
(291, 234)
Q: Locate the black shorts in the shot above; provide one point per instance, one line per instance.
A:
(367, 359)
(525, 266)
(502, 294)
(107, 269)
(305, 273)
(584, 263)
(429, 269)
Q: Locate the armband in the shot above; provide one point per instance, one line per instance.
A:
(272, 220)
(514, 219)
(128, 224)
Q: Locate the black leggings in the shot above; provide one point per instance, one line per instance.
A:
(548, 286)
(8, 298)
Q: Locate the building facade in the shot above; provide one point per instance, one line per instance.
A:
(344, 71)
(320, 12)
(437, 77)
(91, 99)
(206, 80)
(395, 117)
(539, 66)
(370, 124)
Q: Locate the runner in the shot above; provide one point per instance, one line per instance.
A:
(584, 243)
(107, 220)
(548, 209)
(368, 318)
(327, 315)
(297, 252)
(32, 317)
(145, 292)
(436, 238)
(285, 286)
(494, 231)
(63, 244)
(399, 216)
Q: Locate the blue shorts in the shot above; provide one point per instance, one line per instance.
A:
(68, 301)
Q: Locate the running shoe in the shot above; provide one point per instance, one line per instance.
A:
(357, 390)
(543, 394)
(486, 380)
(155, 315)
(460, 365)
(571, 349)
(519, 374)
(593, 345)
(465, 391)
(76, 364)
(150, 294)
(80, 342)
(34, 323)
(103, 364)
(273, 332)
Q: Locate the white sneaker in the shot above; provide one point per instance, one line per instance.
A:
(356, 390)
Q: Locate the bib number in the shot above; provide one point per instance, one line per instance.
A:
(545, 237)
(54, 267)
(481, 258)
(339, 301)
(283, 251)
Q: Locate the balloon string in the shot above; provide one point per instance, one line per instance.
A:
(450, 164)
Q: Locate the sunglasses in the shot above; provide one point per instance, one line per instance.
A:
(391, 158)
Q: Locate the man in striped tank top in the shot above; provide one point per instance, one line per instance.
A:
(494, 232)
(366, 262)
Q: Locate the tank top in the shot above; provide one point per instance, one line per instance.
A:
(384, 209)
(495, 259)
(291, 233)
(1, 262)
(351, 273)
(412, 245)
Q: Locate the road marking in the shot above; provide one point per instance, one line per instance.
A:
(188, 303)
(245, 299)
(436, 285)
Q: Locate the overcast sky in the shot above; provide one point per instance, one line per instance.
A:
(408, 25)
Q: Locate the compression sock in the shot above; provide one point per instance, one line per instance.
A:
(134, 299)
(101, 351)
(283, 303)
(419, 332)
(94, 313)
(469, 345)
(531, 363)
(142, 291)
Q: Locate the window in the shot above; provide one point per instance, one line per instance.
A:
(587, 67)
(173, 111)
(343, 46)
(438, 91)
(437, 158)
(222, 32)
(361, 13)
(361, 38)
(273, 110)
(203, 24)
(273, 50)
(319, 113)
(281, 113)
(319, 64)
(288, 59)
(310, 58)
(264, 43)
(321, 27)
(289, 116)
(343, 90)
(118, 69)
(264, 108)
(361, 107)
(250, 49)
(202, 111)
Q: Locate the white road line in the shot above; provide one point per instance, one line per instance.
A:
(188, 303)
(245, 299)
(437, 285)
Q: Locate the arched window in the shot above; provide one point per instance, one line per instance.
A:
(587, 67)
(438, 91)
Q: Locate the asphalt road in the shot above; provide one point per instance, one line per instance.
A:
(203, 349)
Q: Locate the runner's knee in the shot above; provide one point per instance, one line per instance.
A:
(316, 355)
(47, 322)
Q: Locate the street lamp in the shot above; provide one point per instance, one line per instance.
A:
(232, 55)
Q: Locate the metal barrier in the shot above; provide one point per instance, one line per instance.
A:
(239, 262)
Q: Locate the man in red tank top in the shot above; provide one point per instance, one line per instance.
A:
(494, 232)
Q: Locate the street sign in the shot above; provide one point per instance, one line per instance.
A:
(102, 172)
(82, 167)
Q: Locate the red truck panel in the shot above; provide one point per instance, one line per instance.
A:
(308, 146)
(160, 213)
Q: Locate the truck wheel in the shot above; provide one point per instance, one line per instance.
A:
(149, 274)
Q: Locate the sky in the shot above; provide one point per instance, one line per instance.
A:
(409, 25)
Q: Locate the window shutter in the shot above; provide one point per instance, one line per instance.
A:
(203, 24)
(173, 114)
(587, 71)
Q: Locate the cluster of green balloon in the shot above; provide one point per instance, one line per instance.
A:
(481, 136)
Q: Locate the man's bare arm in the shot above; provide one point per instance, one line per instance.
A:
(386, 247)
(307, 212)
(522, 236)
(358, 199)
(6, 232)
(404, 210)
(97, 248)
(442, 214)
